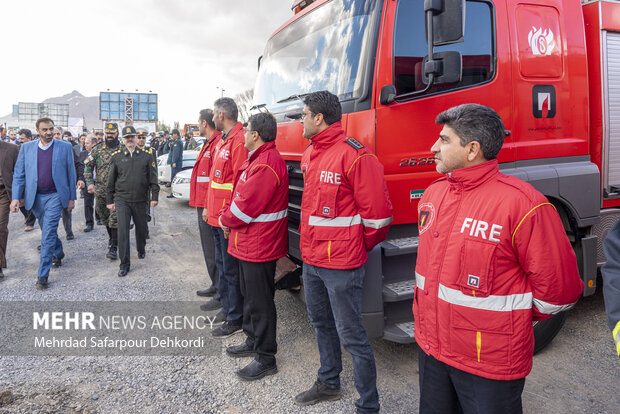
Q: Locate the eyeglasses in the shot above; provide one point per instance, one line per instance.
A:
(305, 114)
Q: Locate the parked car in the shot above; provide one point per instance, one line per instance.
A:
(163, 169)
(180, 184)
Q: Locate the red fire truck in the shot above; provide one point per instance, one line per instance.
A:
(550, 68)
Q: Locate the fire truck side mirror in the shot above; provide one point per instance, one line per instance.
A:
(448, 20)
(387, 95)
(447, 67)
(260, 59)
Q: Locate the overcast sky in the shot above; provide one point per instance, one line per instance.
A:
(181, 49)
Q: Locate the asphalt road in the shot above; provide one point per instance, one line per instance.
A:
(577, 373)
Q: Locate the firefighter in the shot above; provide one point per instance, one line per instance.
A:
(345, 213)
(229, 154)
(199, 185)
(493, 257)
(256, 220)
(611, 282)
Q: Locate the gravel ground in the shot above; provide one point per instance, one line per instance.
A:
(578, 373)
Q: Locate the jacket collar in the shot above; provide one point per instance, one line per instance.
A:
(263, 148)
(233, 131)
(329, 136)
(471, 177)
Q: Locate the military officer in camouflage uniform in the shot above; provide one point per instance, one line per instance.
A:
(98, 164)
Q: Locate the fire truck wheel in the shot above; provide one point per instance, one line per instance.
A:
(545, 331)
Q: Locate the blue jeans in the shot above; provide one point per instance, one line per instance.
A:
(229, 284)
(47, 209)
(334, 301)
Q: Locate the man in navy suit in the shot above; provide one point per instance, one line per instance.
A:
(45, 174)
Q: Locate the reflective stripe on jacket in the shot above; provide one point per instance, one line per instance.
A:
(257, 215)
(345, 208)
(199, 184)
(611, 282)
(493, 256)
(228, 156)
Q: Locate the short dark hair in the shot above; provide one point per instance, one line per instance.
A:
(99, 133)
(474, 122)
(228, 107)
(326, 103)
(207, 116)
(68, 133)
(46, 120)
(175, 131)
(26, 132)
(265, 124)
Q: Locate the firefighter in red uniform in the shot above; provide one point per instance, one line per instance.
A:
(257, 222)
(493, 257)
(345, 213)
(229, 155)
(199, 185)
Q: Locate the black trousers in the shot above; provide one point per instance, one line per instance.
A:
(125, 211)
(66, 220)
(259, 309)
(28, 216)
(445, 389)
(89, 208)
(208, 250)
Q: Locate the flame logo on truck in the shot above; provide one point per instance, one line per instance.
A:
(541, 41)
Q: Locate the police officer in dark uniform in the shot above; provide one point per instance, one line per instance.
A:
(133, 173)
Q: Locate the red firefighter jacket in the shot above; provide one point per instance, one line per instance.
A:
(345, 208)
(257, 215)
(493, 256)
(228, 155)
(200, 182)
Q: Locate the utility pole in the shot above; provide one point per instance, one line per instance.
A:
(222, 89)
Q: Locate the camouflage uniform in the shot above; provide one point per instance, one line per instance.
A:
(99, 160)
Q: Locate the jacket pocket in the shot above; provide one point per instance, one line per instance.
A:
(325, 221)
(477, 267)
(326, 201)
(481, 336)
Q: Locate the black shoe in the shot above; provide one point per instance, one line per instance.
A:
(255, 370)
(39, 247)
(111, 253)
(1, 274)
(226, 330)
(208, 292)
(168, 185)
(70, 236)
(131, 226)
(211, 305)
(123, 272)
(141, 255)
(148, 218)
(317, 393)
(220, 318)
(99, 222)
(239, 351)
(170, 196)
(57, 261)
(88, 228)
(42, 282)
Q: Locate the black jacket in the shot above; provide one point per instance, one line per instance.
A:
(131, 177)
(8, 158)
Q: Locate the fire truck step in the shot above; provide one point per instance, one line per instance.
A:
(397, 247)
(401, 333)
(397, 291)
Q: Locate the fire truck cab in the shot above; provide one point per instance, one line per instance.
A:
(550, 69)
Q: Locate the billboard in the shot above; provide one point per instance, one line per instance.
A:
(28, 113)
(118, 106)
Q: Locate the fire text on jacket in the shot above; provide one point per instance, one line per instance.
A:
(330, 177)
(478, 228)
(224, 154)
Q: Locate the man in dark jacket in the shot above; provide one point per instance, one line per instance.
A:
(133, 173)
(8, 158)
(175, 156)
(89, 199)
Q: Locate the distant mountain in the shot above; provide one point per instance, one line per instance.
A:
(80, 106)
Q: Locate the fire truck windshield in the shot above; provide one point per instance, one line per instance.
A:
(327, 49)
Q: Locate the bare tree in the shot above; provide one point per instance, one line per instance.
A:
(176, 125)
(162, 126)
(244, 103)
